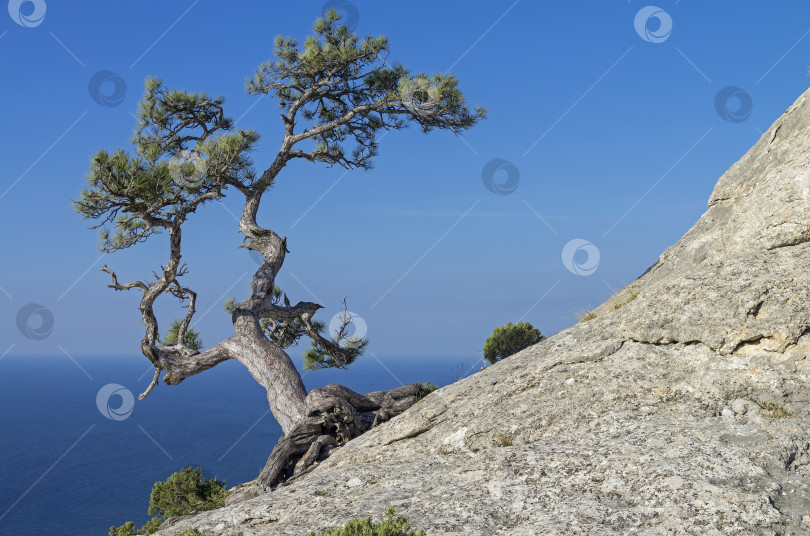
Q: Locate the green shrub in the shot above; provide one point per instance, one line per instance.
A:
(198, 532)
(127, 529)
(183, 493)
(510, 339)
(772, 410)
(192, 337)
(152, 525)
(425, 388)
(365, 527)
(631, 295)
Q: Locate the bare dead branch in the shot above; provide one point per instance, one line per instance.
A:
(300, 309)
(115, 285)
(151, 385)
(182, 293)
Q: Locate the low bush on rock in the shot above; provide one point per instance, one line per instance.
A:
(197, 532)
(183, 493)
(389, 526)
(425, 388)
(510, 339)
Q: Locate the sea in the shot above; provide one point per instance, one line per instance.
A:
(79, 453)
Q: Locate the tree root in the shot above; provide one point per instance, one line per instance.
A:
(335, 415)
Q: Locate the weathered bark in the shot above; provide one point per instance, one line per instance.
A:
(274, 370)
(269, 365)
(311, 455)
(334, 415)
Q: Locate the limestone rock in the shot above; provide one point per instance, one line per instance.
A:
(682, 408)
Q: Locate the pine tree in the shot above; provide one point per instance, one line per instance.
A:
(336, 94)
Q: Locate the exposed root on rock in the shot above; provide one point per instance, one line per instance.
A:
(335, 415)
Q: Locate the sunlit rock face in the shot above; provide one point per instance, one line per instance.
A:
(681, 408)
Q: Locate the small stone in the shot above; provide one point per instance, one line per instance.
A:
(740, 406)
(354, 482)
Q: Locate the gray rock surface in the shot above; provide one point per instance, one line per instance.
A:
(682, 408)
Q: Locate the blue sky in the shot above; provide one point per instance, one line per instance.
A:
(614, 133)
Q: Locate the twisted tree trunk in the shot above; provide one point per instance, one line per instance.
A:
(312, 424)
(269, 365)
(335, 415)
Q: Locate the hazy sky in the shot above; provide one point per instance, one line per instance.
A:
(609, 124)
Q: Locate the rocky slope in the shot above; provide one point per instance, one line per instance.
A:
(682, 408)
